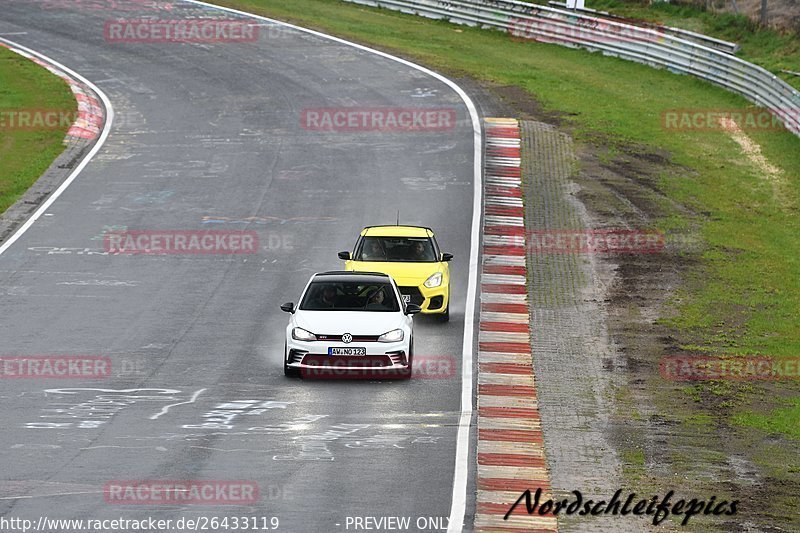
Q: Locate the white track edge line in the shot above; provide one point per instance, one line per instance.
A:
(109, 119)
(459, 500)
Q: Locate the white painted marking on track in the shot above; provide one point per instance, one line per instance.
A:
(504, 200)
(524, 424)
(501, 220)
(515, 380)
(76, 389)
(514, 318)
(518, 402)
(507, 260)
(503, 336)
(109, 119)
(166, 407)
(504, 240)
(500, 298)
(32, 496)
(157, 448)
(503, 181)
(500, 141)
(459, 498)
(458, 505)
(510, 279)
(520, 448)
(247, 450)
(502, 357)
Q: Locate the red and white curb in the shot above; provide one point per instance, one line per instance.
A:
(511, 455)
(89, 121)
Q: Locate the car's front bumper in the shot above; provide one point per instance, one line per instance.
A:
(382, 359)
(432, 301)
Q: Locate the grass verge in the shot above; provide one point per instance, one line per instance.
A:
(25, 153)
(784, 420)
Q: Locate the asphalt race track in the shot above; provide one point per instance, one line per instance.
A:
(209, 136)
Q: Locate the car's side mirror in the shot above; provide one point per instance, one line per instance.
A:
(345, 256)
(412, 309)
(288, 307)
(447, 257)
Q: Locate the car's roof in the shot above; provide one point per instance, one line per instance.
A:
(351, 276)
(397, 231)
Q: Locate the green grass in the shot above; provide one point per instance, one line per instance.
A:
(785, 420)
(26, 154)
(745, 298)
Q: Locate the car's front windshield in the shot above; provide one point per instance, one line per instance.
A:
(350, 296)
(396, 249)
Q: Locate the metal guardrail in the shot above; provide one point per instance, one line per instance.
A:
(705, 40)
(633, 43)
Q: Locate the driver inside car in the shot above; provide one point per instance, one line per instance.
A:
(326, 298)
(376, 300)
(372, 251)
(418, 252)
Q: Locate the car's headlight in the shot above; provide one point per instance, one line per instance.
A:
(396, 335)
(299, 334)
(434, 281)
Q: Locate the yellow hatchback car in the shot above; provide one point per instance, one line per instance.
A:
(411, 255)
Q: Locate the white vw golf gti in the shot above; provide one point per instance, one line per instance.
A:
(350, 324)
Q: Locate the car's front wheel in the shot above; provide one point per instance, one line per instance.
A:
(407, 374)
(445, 317)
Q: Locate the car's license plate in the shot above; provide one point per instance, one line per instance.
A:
(347, 351)
(406, 298)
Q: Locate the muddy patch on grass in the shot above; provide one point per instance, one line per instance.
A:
(599, 337)
(680, 429)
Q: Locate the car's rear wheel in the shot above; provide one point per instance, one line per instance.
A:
(288, 371)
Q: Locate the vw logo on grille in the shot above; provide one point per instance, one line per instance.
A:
(347, 338)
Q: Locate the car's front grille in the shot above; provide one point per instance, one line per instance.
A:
(356, 338)
(416, 296)
(296, 356)
(398, 358)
